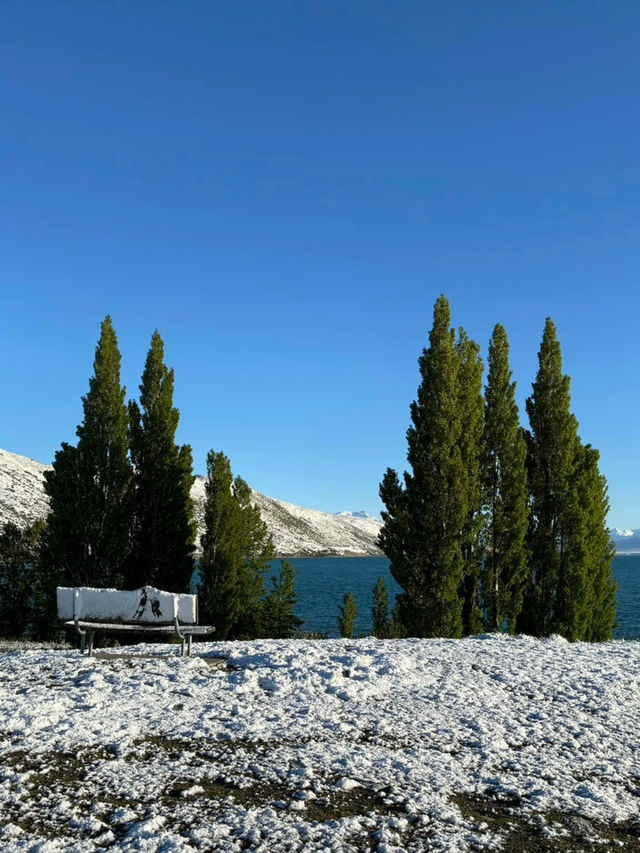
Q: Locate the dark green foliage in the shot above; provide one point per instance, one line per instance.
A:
(279, 618)
(89, 487)
(163, 533)
(471, 407)
(586, 599)
(27, 584)
(348, 613)
(505, 493)
(236, 550)
(257, 552)
(570, 591)
(218, 566)
(600, 551)
(19, 554)
(552, 449)
(424, 520)
(44, 615)
(380, 610)
(66, 544)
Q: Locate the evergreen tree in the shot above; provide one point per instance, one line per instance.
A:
(571, 591)
(45, 577)
(592, 490)
(424, 519)
(220, 553)
(280, 620)
(163, 523)
(89, 488)
(586, 598)
(471, 406)
(552, 451)
(380, 610)
(257, 553)
(236, 550)
(66, 545)
(348, 613)
(505, 492)
(18, 578)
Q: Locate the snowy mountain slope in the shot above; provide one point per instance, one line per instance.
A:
(22, 497)
(295, 531)
(298, 531)
(362, 520)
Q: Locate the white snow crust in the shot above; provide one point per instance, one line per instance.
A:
(173, 754)
(127, 605)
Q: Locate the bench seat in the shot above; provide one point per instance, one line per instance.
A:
(122, 628)
(142, 611)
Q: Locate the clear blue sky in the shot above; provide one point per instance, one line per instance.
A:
(283, 189)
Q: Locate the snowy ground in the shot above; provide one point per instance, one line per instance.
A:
(415, 745)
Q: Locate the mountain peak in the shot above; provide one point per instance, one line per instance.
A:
(357, 514)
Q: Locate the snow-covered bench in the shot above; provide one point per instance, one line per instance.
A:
(138, 611)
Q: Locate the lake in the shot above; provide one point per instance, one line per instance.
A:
(322, 582)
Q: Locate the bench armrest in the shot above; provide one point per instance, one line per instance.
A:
(76, 612)
(176, 623)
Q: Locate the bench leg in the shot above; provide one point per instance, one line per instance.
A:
(90, 644)
(189, 638)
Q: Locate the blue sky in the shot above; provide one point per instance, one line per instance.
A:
(283, 189)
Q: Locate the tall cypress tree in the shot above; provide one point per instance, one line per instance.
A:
(164, 528)
(471, 408)
(586, 598)
(571, 591)
(592, 490)
(218, 599)
(89, 487)
(256, 553)
(424, 518)
(236, 550)
(552, 450)
(505, 492)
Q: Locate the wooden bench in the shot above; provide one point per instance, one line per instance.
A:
(139, 611)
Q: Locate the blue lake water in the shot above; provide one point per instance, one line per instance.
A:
(322, 582)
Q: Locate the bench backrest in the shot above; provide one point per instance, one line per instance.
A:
(146, 606)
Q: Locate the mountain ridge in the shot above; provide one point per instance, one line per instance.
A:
(296, 531)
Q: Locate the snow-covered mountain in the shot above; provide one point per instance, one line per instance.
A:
(296, 531)
(622, 532)
(362, 520)
(626, 540)
(22, 497)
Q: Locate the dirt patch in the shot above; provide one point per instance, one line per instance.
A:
(552, 832)
(206, 778)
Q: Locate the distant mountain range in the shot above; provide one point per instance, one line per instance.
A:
(296, 531)
(626, 540)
